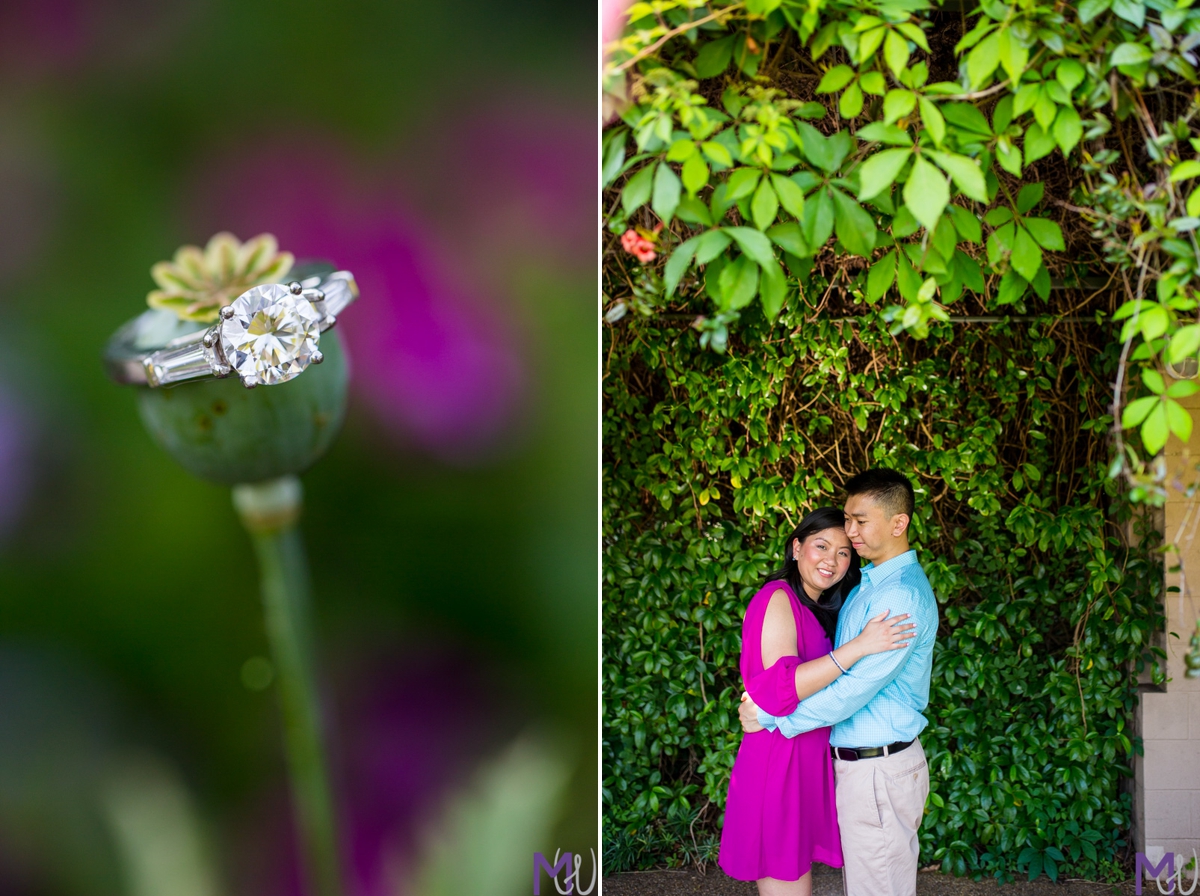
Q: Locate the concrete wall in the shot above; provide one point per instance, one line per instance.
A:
(1167, 778)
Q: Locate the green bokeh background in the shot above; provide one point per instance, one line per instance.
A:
(140, 573)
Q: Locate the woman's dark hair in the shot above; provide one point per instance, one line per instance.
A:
(826, 607)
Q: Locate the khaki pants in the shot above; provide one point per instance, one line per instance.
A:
(880, 803)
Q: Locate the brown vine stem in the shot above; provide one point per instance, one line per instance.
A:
(674, 32)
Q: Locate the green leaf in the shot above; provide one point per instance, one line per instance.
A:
(790, 238)
(880, 171)
(1182, 389)
(1153, 380)
(1184, 343)
(873, 83)
(897, 104)
(1135, 412)
(614, 155)
(881, 277)
(966, 224)
(741, 183)
(739, 282)
(1014, 56)
(791, 197)
(1026, 256)
(934, 122)
(714, 57)
(695, 174)
(1030, 195)
(667, 190)
(1069, 74)
(1130, 54)
(1131, 11)
(637, 189)
(710, 245)
(835, 79)
(1009, 157)
(885, 133)
(772, 290)
(1185, 170)
(1044, 109)
(717, 153)
(855, 228)
(967, 117)
(1155, 429)
(869, 42)
(926, 193)
(1193, 203)
(908, 281)
(754, 243)
(765, 205)
(693, 211)
(1046, 233)
(818, 219)
(851, 103)
(1012, 288)
(1153, 322)
(824, 152)
(1038, 143)
(895, 53)
(1089, 9)
(1068, 129)
(982, 60)
(678, 263)
(681, 150)
(966, 173)
(1179, 421)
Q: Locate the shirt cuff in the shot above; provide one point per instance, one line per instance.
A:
(767, 721)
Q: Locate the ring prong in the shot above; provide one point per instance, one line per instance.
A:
(209, 339)
(221, 371)
(227, 312)
(317, 357)
(295, 288)
(330, 320)
(249, 383)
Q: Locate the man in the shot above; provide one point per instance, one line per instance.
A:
(875, 708)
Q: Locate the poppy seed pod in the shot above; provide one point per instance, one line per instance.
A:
(220, 431)
(223, 432)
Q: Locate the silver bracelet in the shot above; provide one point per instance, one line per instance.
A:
(836, 663)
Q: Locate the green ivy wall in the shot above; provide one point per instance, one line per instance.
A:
(1046, 615)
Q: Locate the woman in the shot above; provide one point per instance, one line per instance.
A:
(779, 815)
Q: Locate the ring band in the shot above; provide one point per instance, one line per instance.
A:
(267, 335)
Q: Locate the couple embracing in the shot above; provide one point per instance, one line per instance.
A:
(836, 663)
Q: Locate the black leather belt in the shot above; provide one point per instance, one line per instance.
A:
(851, 754)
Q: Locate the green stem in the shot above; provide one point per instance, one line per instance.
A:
(270, 512)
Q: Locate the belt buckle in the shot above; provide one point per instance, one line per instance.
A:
(853, 757)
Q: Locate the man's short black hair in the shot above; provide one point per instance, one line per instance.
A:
(889, 488)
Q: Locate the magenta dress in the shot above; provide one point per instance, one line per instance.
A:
(780, 815)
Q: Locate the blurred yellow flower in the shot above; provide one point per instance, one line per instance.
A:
(197, 283)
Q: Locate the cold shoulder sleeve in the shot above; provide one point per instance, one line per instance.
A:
(773, 689)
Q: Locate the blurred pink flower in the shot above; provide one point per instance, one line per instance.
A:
(392, 775)
(612, 11)
(638, 246)
(515, 178)
(436, 361)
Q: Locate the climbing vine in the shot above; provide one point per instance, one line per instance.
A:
(961, 242)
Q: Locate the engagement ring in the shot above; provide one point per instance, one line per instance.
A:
(268, 335)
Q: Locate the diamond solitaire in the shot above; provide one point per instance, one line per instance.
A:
(269, 335)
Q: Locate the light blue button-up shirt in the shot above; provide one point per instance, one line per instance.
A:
(879, 701)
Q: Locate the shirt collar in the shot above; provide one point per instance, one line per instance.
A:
(877, 574)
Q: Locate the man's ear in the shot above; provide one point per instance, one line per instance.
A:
(899, 524)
